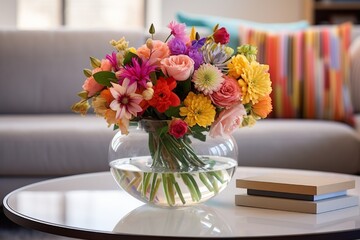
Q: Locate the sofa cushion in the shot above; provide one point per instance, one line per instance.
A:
(41, 71)
(309, 69)
(300, 144)
(53, 145)
(355, 73)
(232, 24)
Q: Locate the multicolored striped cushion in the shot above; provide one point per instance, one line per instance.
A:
(309, 69)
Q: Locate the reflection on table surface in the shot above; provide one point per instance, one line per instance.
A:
(78, 203)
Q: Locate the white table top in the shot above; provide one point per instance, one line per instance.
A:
(92, 206)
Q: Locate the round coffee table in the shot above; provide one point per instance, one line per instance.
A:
(92, 206)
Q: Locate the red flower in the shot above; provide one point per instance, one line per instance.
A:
(221, 36)
(178, 128)
(163, 96)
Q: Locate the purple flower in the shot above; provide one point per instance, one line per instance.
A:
(113, 60)
(197, 56)
(177, 47)
(138, 71)
(198, 43)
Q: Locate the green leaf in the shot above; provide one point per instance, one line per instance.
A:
(182, 89)
(173, 112)
(105, 78)
(197, 132)
(128, 57)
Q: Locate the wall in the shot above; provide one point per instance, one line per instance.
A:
(161, 12)
(8, 13)
(255, 10)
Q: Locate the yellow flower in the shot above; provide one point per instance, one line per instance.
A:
(237, 65)
(248, 121)
(198, 110)
(120, 45)
(255, 82)
(81, 107)
(100, 105)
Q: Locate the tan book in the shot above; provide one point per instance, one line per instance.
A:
(295, 183)
(320, 206)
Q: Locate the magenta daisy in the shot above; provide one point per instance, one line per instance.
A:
(126, 102)
(138, 72)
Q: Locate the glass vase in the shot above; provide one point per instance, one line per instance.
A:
(159, 169)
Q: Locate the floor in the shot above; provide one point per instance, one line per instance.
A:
(11, 231)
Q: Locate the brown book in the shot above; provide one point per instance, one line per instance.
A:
(320, 206)
(296, 183)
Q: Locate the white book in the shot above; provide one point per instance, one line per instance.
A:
(296, 183)
(320, 206)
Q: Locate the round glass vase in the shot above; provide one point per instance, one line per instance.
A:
(159, 169)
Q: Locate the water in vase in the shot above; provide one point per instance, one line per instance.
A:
(166, 188)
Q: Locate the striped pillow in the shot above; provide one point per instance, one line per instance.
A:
(309, 69)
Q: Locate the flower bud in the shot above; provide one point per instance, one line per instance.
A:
(152, 29)
(192, 34)
(148, 94)
(87, 72)
(149, 85)
(81, 107)
(83, 94)
(95, 63)
(248, 51)
(229, 51)
(149, 43)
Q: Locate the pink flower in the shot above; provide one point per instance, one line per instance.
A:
(126, 102)
(90, 85)
(178, 30)
(178, 128)
(228, 120)
(229, 93)
(180, 67)
(159, 51)
(221, 36)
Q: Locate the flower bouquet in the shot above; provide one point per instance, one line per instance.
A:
(186, 87)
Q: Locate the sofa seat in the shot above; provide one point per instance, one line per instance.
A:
(53, 145)
(300, 144)
(57, 145)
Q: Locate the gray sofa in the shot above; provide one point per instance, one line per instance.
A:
(40, 138)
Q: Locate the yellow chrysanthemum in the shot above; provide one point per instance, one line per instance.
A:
(198, 110)
(255, 82)
(237, 65)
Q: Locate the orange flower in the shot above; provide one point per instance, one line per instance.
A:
(263, 107)
(123, 124)
(163, 96)
(106, 94)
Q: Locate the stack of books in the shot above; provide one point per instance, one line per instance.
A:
(298, 193)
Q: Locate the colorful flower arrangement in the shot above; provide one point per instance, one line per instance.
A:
(181, 87)
(197, 84)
